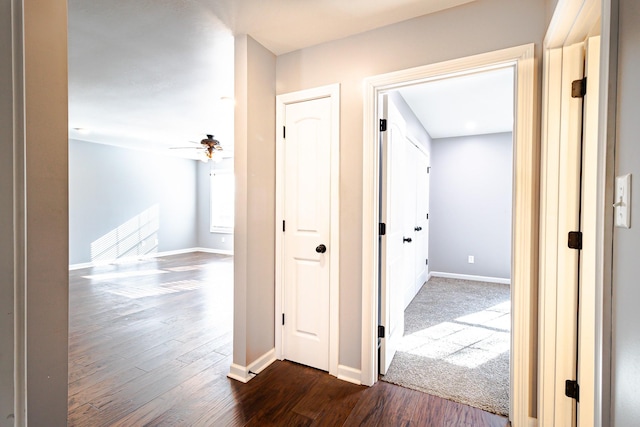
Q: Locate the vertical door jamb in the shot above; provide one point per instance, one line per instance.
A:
(573, 21)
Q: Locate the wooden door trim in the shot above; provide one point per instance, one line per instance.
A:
(525, 235)
(332, 92)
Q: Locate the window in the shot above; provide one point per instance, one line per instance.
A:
(222, 200)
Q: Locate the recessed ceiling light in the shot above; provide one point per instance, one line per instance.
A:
(471, 125)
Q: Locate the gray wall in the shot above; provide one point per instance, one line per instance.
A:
(109, 186)
(207, 239)
(471, 205)
(34, 227)
(7, 273)
(473, 28)
(550, 6)
(626, 250)
(254, 237)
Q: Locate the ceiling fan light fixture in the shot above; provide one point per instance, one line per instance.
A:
(208, 147)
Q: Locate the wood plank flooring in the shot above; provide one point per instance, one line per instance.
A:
(150, 345)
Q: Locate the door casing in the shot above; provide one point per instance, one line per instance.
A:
(525, 221)
(332, 92)
(573, 22)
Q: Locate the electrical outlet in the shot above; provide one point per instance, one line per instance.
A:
(471, 259)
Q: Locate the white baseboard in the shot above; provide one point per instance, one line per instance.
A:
(214, 251)
(131, 259)
(246, 373)
(345, 373)
(471, 277)
(82, 265)
(239, 373)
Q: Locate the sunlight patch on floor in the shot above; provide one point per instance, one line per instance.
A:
(468, 341)
(155, 290)
(124, 274)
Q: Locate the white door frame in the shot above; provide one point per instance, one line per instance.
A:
(573, 21)
(525, 213)
(332, 92)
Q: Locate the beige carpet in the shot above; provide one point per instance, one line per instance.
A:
(456, 343)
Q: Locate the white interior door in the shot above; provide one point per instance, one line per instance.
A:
(392, 265)
(410, 232)
(588, 266)
(307, 208)
(421, 219)
(568, 221)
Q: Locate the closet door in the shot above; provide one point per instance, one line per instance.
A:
(410, 233)
(421, 219)
(393, 274)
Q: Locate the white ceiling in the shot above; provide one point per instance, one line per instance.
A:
(287, 25)
(156, 74)
(473, 104)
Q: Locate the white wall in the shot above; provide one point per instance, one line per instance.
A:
(470, 29)
(626, 250)
(471, 205)
(109, 186)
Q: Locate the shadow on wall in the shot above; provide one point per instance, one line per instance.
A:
(137, 236)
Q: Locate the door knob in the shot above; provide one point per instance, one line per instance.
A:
(418, 228)
(321, 249)
(406, 239)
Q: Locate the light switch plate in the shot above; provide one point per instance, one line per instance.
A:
(622, 205)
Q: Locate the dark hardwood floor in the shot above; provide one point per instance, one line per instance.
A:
(150, 345)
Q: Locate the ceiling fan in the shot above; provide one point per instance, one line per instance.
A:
(209, 145)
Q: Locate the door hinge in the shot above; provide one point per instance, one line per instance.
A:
(284, 132)
(383, 125)
(572, 389)
(283, 226)
(382, 229)
(575, 239)
(380, 331)
(579, 88)
(426, 261)
(427, 216)
(283, 318)
(428, 169)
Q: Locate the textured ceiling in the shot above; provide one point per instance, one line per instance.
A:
(154, 74)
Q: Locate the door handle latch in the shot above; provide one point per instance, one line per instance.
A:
(406, 239)
(321, 249)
